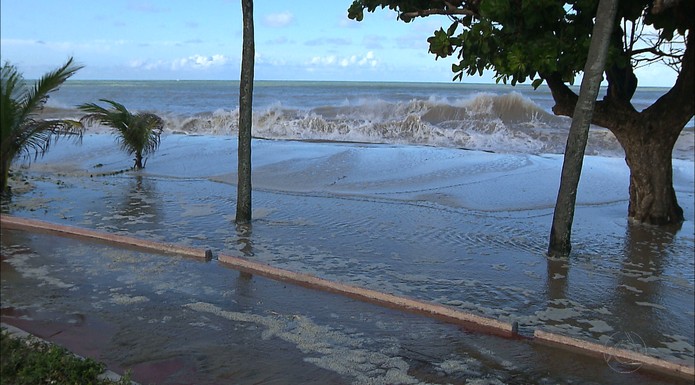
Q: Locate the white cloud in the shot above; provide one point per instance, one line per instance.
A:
(323, 60)
(278, 20)
(190, 62)
(366, 60)
(261, 59)
(199, 61)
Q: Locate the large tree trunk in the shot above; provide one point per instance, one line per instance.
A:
(647, 137)
(652, 197)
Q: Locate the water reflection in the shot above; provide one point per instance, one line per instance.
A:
(557, 278)
(245, 246)
(139, 208)
(639, 293)
(244, 240)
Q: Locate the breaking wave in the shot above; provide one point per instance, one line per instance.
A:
(501, 123)
(507, 123)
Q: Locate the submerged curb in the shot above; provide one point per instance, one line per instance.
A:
(625, 356)
(429, 309)
(15, 332)
(33, 224)
(442, 312)
(372, 296)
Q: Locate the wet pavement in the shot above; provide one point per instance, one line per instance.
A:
(174, 320)
(462, 229)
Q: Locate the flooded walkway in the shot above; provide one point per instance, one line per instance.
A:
(174, 320)
(462, 229)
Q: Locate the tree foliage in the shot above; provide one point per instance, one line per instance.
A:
(138, 134)
(23, 132)
(522, 40)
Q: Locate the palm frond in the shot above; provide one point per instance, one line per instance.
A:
(50, 82)
(35, 137)
(22, 132)
(138, 134)
(12, 84)
(117, 117)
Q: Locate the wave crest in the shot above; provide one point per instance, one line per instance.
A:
(510, 123)
(504, 123)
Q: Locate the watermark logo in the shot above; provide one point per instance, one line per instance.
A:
(620, 355)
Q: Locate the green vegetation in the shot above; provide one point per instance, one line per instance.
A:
(32, 362)
(547, 41)
(138, 134)
(23, 133)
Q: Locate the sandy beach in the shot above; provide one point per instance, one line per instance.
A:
(467, 229)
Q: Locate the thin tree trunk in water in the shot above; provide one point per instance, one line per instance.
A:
(138, 161)
(579, 131)
(243, 205)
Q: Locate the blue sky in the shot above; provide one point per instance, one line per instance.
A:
(176, 39)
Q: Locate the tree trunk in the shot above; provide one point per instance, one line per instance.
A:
(652, 197)
(243, 205)
(563, 215)
(647, 137)
(138, 161)
(5, 164)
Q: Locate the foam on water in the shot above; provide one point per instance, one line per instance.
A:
(481, 117)
(506, 123)
(502, 123)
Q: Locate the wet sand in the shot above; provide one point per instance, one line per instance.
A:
(461, 228)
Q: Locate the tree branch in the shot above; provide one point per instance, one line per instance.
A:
(565, 99)
(449, 11)
(671, 103)
(655, 51)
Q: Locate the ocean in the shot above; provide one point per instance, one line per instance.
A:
(439, 192)
(486, 117)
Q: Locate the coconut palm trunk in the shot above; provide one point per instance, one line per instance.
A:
(243, 210)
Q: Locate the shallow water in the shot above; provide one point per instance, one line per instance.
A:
(201, 323)
(461, 228)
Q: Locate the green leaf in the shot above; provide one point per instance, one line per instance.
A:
(452, 28)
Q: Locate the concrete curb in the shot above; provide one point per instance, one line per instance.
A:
(445, 313)
(469, 320)
(15, 332)
(634, 359)
(433, 310)
(32, 224)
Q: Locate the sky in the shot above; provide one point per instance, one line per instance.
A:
(201, 40)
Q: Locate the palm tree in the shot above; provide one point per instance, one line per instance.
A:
(138, 134)
(20, 105)
(243, 204)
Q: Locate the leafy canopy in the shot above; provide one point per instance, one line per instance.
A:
(530, 39)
